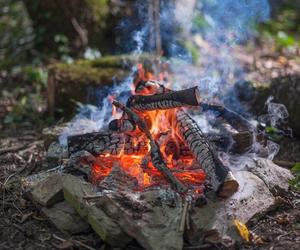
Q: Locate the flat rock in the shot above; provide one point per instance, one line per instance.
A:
(152, 217)
(48, 191)
(214, 220)
(65, 218)
(108, 229)
(275, 177)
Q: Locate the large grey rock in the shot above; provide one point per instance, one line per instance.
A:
(106, 227)
(215, 220)
(152, 217)
(275, 177)
(65, 218)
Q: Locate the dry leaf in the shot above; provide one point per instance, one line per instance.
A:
(242, 229)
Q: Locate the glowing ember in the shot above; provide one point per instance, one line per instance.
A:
(163, 130)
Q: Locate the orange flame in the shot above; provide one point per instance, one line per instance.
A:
(160, 123)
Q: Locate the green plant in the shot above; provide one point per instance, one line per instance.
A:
(283, 29)
(273, 133)
(296, 171)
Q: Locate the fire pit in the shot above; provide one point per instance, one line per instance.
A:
(155, 173)
(157, 143)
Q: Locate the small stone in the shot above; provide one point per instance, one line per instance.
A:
(52, 134)
(65, 218)
(48, 192)
(56, 152)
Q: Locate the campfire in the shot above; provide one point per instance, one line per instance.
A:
(155, 172)
(157, 143)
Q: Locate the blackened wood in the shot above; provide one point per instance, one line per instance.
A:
(201, 148)
(234, 119)
(172, 99)
(98, 143)
(121, 125)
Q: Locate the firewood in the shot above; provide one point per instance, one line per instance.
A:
(234, 119)
(204, 153)
(172, 99)
(156, 155)
(98, 143)
(143, 103)
(121, 125)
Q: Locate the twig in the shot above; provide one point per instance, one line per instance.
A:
(183, 216)
(75, 242)
(203, 246)
(91, 197)
(12, 149)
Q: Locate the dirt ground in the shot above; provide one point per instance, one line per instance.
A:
(23, 226)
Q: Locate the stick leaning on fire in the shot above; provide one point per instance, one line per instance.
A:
(220, 176)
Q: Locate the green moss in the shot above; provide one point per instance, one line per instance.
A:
(103, 70)
(100, 9)
(86, 74)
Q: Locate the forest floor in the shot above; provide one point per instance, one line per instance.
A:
(22, 153)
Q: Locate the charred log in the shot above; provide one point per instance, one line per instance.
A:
(234, 119)
(172, 99)
(98, 143)
(204, 153)
(121, 125)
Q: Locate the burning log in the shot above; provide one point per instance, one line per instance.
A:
(188, 97)
(121, 125)
(112, 143)
(156, 155)
(169, 100)
(221, 179)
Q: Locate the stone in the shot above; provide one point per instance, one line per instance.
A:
(47, 192)
(110, 232)
(65, 218)
(275, 177)
(56, 152)
(27, 183)
(152, 217)
(215, 220)
(51, 134)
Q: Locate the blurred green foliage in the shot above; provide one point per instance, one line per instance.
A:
(296, 181)
(16, 34)
(29, 103)
(284, 28)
